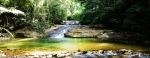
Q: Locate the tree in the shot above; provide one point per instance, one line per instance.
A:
(40, 14)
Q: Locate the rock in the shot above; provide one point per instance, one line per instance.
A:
(111, 53)
(60, 55)
(123, 50)
(2, 55)
(68, 54)
(103, 35)
(36, 56)
(90, 55)
(1, 51)
(26, 33)
(81, 54)
(20, 35)
(49, 56)
(10, 49)
(4, 37)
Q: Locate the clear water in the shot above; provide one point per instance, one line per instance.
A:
(64, 44)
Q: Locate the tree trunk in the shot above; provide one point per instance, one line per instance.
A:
(7, 32)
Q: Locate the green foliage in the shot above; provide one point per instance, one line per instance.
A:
(48, 12)
(11, 18)
(126, 14)
(97, 11)
(40, 14)
(3, 2)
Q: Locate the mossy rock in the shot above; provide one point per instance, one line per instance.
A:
(22, 35)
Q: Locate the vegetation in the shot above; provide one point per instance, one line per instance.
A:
(131, 15)
(39, 14)
(126, 21)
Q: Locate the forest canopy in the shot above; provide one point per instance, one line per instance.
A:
(131, 15)
(40, 14)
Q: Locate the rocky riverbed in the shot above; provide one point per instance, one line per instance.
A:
(104, 34)
(122, 53)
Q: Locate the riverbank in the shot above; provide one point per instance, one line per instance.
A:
(88, 31)
(33, 45)
(28, 45)
(28, 33)
(104, 34)
(122, 53)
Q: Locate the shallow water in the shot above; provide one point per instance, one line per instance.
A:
(21, 46)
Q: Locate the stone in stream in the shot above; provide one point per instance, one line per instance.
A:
(82, 54)
(1, 51)
(2, 54)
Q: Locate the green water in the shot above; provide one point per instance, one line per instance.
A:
(65, 44)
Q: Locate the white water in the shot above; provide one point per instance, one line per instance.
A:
(59, 32)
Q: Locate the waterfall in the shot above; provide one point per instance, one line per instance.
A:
(59, 32)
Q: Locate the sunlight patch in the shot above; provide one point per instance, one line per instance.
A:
(12, 44)
(103, 44)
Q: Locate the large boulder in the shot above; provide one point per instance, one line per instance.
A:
(84, 31)
(26, 33)
(4, 37)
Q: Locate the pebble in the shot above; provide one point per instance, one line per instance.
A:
(84, 54)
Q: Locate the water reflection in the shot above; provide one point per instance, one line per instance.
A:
(64, 44)
(69, 44)
(93, 44)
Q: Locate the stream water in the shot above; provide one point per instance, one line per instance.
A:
(64, 44)
(72, 44)
(59, 32)
(57, 42)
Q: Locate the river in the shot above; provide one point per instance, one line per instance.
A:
(56, 43)
(21, 46)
